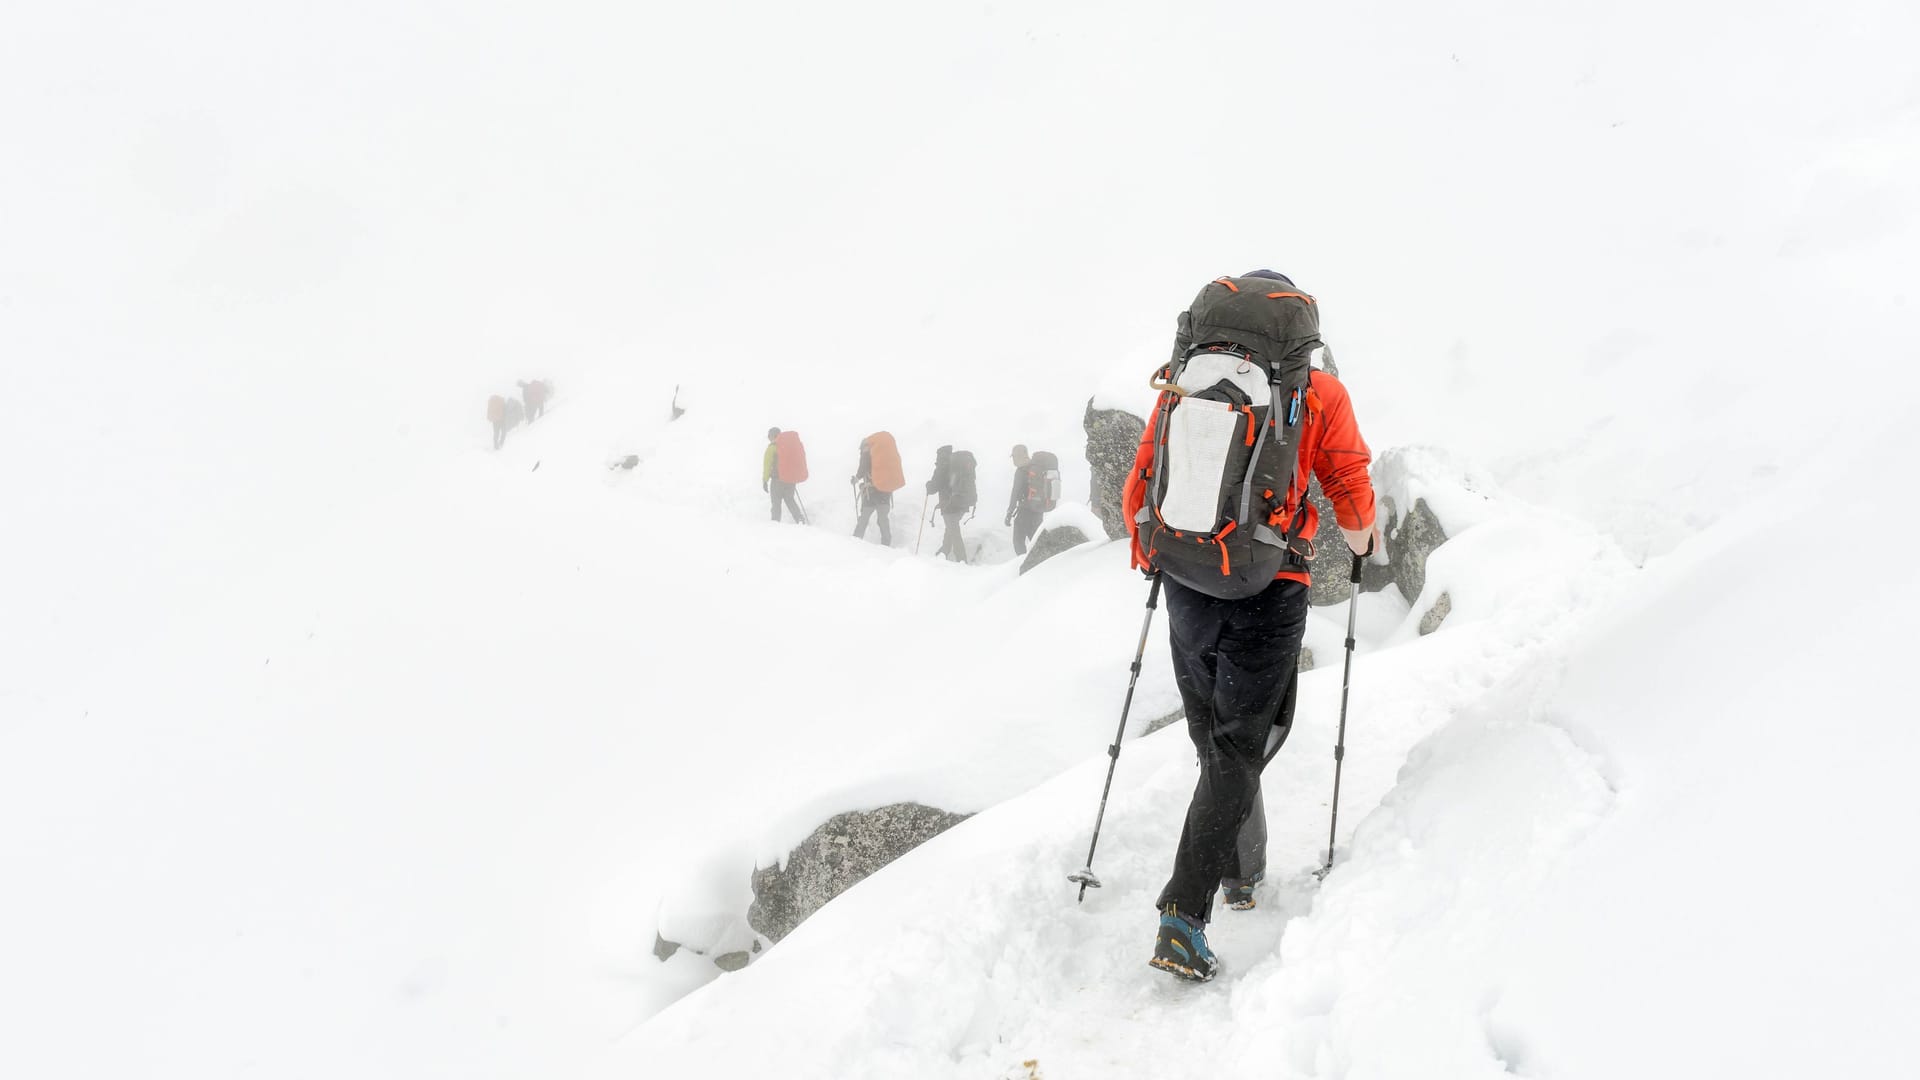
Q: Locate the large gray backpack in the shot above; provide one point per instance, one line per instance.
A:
(1227, 438)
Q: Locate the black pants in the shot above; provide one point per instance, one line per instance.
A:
(783, 492)
(1025, 524)
(1235, 662)
(880, 502)
(951, 545)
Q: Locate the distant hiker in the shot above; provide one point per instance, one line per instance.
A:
(952, 484)
(1241, 422)
(534, 394)
(497, 416)
(877, 478)
(782, 469)
(678, 412)
(1036, 491)
(515, 413)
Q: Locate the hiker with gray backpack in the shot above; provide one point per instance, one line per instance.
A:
(1217, 507)
(1036, 492)
(952, 486)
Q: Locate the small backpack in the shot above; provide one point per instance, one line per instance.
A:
(961, 492)
(883, 463)
(1227, 438)
(793, 457)
(1043, 482)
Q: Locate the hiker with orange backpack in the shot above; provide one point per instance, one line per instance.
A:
(782, 469)
(874, 483)
(1217, 508)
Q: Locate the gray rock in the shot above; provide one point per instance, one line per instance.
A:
(1112, 438)
(1156, 725)
(728, 961)
(1436, 614)
(1324, 361)
(1052, 542)
(835, 857)
(1306, 659)
(1410, 539)
(1332, 561)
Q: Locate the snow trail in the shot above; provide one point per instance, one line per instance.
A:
(972, 956)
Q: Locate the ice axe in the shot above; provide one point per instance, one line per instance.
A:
(1085, 877)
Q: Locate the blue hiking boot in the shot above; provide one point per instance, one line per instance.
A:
(1182, 947)
(1239, 894)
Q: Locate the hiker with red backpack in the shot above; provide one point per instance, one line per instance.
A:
(877, 478)
(1217, 508)
(782, 469)
(1036, 491)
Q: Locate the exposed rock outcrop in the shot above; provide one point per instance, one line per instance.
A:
(1411, 537)
(1112, 437)
(1052, 542)
(836, 856)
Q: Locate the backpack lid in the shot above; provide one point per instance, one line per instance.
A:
(1270, 319)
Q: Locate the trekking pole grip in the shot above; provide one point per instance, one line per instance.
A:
(1358, 562)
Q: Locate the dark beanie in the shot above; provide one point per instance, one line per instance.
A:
(1271, 275)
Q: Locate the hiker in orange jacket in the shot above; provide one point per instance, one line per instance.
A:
(1236, 662)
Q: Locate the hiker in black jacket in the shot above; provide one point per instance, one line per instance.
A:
(954, 495)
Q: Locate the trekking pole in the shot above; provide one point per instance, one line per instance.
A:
(805, 518)
(923, 527)
(1085, 877)
(1346, 681)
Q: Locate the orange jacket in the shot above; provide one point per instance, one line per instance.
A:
(1331, 446)
(496, 409)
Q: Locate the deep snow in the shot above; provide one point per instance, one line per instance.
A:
(333, 743)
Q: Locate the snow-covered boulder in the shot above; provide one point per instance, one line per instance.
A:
(836, 856)
(1052, 542)
(1112, 437)
(1425, 497)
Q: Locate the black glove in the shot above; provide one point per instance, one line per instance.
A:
(764, 485)
(1009, 520)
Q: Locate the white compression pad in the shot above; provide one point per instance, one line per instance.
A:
(1200, 434)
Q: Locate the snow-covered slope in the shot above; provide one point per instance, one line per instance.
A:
(333, 743)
